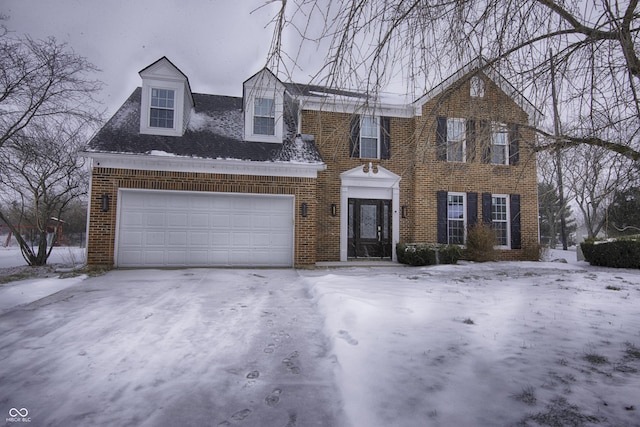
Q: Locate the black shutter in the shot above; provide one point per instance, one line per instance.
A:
(516, 233)
(442, 217)
(441, 138)
(385, 135)
(471, 140)
(485, 138)
(514, 144)
(486, 208)
(354, 142)
(472, 209)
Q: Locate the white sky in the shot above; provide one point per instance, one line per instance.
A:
(217, 43)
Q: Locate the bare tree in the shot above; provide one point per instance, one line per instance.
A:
(367, 43)
(594, 175)
(47, 109)
(43, 80)
(41, 175)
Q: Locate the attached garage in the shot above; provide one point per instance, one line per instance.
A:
(160, 228)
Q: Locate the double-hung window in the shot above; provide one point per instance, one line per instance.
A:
(456, 137)
(369, 137)
(264, 116)
(500, 218)
(499, 144)
(456, 221)
(162, 108)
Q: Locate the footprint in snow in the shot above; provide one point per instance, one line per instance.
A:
(241, 415)
(253, 375)
(273, 398)
(347, 337)
(291, 364)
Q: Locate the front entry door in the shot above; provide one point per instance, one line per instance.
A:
(369, 228)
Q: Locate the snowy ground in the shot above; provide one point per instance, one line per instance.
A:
(468, 345)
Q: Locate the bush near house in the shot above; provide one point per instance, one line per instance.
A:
(481, 239)
(420, 254)
(618, 253)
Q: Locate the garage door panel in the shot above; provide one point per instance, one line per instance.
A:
(220, 220)
(155, 238)
(177, 238)
(221, 238)
(177, 219)
(199, 220)
(170, 228)
(199, 239)
(155, 219)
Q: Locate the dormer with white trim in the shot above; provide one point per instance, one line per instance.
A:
(166, 101)
(263, 105)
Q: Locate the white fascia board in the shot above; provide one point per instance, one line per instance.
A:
(337, 104)
(199, 165)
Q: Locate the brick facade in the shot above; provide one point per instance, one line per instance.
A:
(413, 157)
(102, 226)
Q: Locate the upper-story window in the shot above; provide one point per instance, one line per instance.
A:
(499, 144)
(477, 87)
(161, 114)
(456, 139)
(370, 137)
(264, 116)
(451, 138)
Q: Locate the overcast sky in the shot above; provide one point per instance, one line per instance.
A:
(217, 43)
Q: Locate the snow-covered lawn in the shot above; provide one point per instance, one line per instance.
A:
(468, 345)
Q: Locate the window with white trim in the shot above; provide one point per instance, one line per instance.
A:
(369, 137)
(456, 218)
(264, 116)
(500, 218)
(499, 144)
(456, 139)
(161, 113)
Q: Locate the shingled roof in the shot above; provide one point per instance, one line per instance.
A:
(214, 131)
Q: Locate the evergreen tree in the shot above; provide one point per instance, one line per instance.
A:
(549, 209)
(624, 213)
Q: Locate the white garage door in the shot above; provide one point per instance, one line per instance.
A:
(175, 228)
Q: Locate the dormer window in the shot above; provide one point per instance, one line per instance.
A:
(263, 107)
(165, 101)
(162, 108)
(264, 116)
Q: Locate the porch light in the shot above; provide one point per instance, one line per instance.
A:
(334, 209)
(404, 211)
(303, 209)
(105, 202)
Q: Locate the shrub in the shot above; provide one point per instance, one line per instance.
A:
(621, 253)
(532, 250)
(480, 244)
(420, 254)
(449, 254)
(416, 254)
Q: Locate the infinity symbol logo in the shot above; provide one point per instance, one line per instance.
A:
(22, 412)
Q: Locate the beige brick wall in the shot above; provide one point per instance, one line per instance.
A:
(102, 225)
(413, 157)
(331, 131)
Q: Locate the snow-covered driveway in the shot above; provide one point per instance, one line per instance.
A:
(494, 344)
(174, 347)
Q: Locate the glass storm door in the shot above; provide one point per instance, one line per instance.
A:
(369, 228)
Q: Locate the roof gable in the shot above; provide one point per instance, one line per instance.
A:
(163, 68)
(481, 65)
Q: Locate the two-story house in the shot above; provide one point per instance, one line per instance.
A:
(293, 175)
